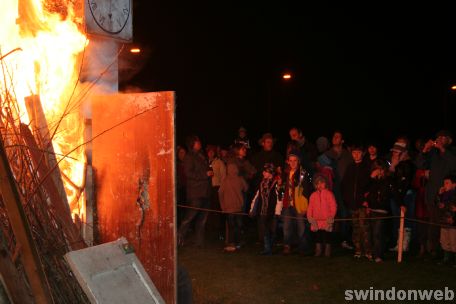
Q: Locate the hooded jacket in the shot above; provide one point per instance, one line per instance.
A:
(231, 191)
(322, 207)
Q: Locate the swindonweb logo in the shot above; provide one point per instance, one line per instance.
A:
(394, 294)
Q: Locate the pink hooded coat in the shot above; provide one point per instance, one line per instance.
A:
(322, 210)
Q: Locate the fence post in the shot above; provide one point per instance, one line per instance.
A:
(400, 240)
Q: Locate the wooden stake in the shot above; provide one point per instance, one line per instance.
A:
(43, 138)
(22, 231)
(400, 241)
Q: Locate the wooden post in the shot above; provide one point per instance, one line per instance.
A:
(400, 240)
(41, 132)
(22, 232)
(87, 227)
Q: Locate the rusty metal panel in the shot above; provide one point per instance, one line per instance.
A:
(133, 160)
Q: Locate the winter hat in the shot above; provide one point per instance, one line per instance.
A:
(379, 164)
(264, 137)
(269, 167)
(322, 144)
(399, 147)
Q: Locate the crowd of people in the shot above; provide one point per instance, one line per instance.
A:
(321, 194)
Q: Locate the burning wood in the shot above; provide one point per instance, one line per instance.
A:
(35, 217)
(41, 131)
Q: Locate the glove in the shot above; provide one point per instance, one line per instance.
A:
(251, 214)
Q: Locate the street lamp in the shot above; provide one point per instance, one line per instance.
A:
(286, 76)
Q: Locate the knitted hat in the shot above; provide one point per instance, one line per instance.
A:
(269, 167)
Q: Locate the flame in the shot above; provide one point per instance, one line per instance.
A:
(46, 65)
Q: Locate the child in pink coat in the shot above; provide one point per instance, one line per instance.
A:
(320, 213)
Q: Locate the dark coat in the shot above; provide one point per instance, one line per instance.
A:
(379, 193)
(440, 165)
(354, 184)
(404, 173)
(198, 183)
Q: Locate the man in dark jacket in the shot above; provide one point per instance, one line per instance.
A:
(198, 190)
(267, 155)
(439, 157)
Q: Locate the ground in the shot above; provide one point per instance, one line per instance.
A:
(246, 277)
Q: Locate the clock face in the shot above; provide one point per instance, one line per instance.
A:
(110, 15)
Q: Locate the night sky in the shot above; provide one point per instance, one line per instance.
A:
(373, 72)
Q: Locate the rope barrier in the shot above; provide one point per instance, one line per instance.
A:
(286, 216)
(336, 219)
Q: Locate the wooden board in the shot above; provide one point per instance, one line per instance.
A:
(139, 150)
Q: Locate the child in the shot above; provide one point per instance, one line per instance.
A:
(297, 187)
(446, 204)
(354, 184)
(377, 202)
(231, 195)
(320, 213)
(265, 205)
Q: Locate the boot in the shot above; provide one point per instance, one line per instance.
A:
(318, 249)
(267, 246)
(327, 250)
(407, 238)
(406, 241)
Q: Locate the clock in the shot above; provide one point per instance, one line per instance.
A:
(111, 18)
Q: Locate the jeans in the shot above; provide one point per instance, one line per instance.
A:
(361, 231)
(290, 225)
(377, 228)
(409, 203)
(234, 229)
(200, 218)
(344, 226)
(267, 225)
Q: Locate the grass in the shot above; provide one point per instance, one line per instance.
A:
(246, 277)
